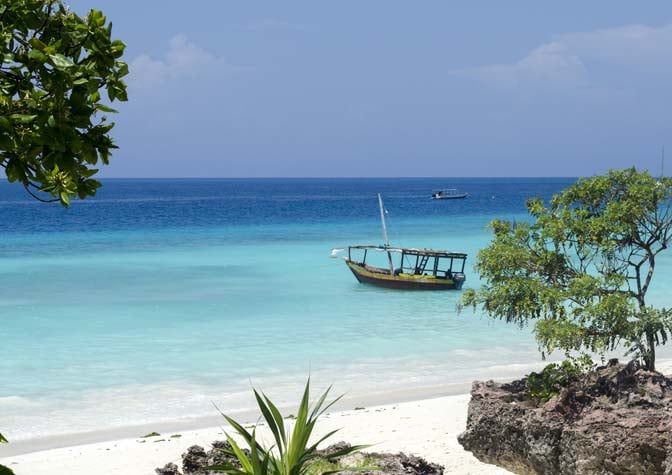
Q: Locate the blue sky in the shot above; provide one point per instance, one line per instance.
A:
(390, 88)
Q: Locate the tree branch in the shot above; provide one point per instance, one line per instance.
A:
(51, 200)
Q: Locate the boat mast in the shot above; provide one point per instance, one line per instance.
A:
(387, 241)
(382, 219)
(662, 163)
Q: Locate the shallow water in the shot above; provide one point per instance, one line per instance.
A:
(159, 297)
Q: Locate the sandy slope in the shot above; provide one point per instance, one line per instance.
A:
(427, 427)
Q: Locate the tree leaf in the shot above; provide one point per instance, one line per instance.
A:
(60, 61)
(23, 118)
(37, 55)
(65, 199)
(5, 470)
(104, 108)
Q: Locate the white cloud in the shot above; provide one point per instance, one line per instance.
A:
(550, 63)
(628, 44)
(183, 59)
(567, 59)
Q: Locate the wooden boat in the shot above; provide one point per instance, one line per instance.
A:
(451, 194)
(409, 268)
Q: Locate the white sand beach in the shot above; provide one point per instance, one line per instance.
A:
(427, 428)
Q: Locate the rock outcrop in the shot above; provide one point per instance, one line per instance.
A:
(401, 464)
(615, 420)
(390, 464)
(196, 460)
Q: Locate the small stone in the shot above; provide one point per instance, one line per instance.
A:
(628, 423)
(194, 459)
(551, 405)
(168, 469)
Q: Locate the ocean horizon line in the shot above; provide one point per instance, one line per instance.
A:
(345, 178)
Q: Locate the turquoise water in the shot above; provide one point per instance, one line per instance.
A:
(160, 297)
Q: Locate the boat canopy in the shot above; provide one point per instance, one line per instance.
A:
(412, 251)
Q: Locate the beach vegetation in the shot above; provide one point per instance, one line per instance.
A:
(322, 466)
(293, 451)
(60, 72)
(549, 381)
(581, 267)
(4, 470)
(361, 463)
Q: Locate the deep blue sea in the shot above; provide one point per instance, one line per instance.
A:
(158, 297)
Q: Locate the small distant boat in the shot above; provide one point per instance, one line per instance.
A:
(416, 269)
(450, 194)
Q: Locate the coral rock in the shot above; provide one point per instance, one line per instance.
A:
(616, 419)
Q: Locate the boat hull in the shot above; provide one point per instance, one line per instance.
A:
(402, 281)
(450, 197)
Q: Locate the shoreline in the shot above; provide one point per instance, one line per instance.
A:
(425, 427)
(31, 445)
(208, 418)
(194, 422)
(420, 421)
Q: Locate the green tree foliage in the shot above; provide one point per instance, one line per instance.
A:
(55, 65)
(581, 268)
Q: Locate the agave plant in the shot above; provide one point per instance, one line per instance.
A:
(4, 470)
(292, 452)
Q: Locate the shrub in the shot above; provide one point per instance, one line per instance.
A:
(4, 470)
(292, 452)
(550, 381)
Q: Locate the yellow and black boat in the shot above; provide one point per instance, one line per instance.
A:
(409, 268)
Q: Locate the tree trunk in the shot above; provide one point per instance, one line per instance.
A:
(650, 359)
(650, 349)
